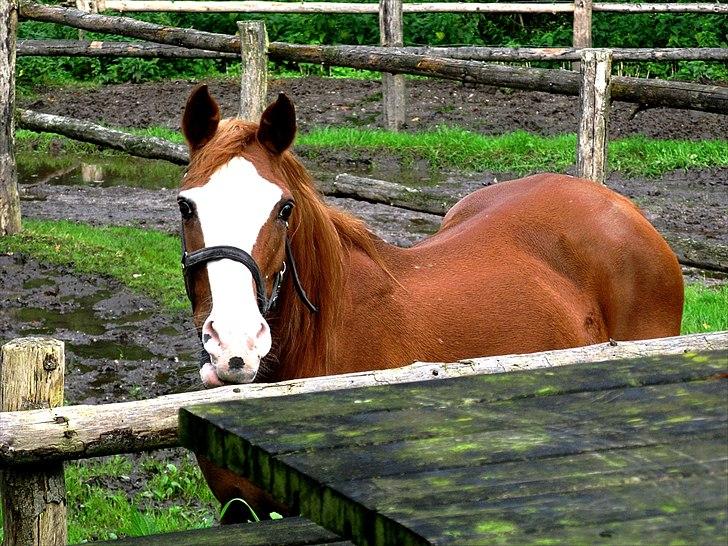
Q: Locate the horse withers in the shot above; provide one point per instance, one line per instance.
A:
(284, 286)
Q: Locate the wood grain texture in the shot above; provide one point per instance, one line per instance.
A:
(710, 98)
(9, 199)
(73, 432)
(95, 48)
(254, 69)
(33, 496)
(520, 457)
(592, 137)
(55, 48)
(582, 31)
(393, 88)
(149, 147)
(253, 6)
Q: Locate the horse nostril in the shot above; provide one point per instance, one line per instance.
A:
(206, 338)
(262, 330)
(236, 363)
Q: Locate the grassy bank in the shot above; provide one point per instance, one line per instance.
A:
(134, 496)
(148, 261)
(458, 149)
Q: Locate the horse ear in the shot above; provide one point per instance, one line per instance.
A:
(278, 125)
(201, 117)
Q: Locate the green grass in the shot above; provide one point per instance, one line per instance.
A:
(706, 309)
(520, 152)
(100, 508)
(454, 148)
(145, 260)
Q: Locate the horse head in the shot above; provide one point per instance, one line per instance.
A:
(236, 212)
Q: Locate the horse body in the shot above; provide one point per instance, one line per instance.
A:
(540, 263)
(544, 262)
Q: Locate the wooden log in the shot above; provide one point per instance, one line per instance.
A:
(516, 54)
(133, 28)
(391, 34)
(33, 496)
(655, 93)
(59, 48)
(670, 7)
(192, 6)
(582, 33)
(9, 199)
(592, 137)
(86, 131)
(75, 432)
(388, 193)
(254, 69)
(76, 48)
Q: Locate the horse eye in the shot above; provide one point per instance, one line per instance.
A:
(186, 208)
(285, 212)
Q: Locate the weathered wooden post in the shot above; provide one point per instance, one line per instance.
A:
(594, 96)
(391, 34)
(9, 200)
(254, 69)
(33, 496)
(582, 26)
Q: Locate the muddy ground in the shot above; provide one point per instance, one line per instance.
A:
(121, 346)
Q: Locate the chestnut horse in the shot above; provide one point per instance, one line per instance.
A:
(284, 286)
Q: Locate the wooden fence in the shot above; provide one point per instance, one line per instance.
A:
(38, 433)
(391, 22)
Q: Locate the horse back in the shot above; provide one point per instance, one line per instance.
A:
(585, 259)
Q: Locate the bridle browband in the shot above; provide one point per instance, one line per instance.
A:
(191, 260)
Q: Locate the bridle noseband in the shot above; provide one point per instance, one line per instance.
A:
(191, 260)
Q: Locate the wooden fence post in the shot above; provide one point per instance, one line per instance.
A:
(391, 34)
(9, 199)
(594, 97)
(33, 496)
(254, 69)
(582, 26)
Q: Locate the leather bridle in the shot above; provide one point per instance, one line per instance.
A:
(196, 258)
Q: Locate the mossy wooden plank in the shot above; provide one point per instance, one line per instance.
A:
(282, 532)
(629, 420)
(539, 514)
(677, 529)
(616, 440)
(459, 392)
(524, 478)
(643, 408)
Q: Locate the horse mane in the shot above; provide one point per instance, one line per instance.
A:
(321, 238)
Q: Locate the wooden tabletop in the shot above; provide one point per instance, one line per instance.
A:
(624, 451)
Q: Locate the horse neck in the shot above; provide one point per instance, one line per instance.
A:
(322, 240)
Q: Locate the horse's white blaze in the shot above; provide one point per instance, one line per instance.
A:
(232, 208)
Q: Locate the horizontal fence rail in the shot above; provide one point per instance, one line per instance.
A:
(77, 432)
(233, 6)
(96, 48)
(656, 93)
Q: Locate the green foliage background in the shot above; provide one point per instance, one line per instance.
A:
(609, 30)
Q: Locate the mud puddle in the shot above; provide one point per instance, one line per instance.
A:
(119, 345)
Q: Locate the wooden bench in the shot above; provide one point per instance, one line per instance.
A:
(279, 532)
